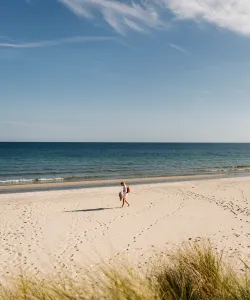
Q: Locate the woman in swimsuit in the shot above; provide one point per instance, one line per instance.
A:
(124, 194)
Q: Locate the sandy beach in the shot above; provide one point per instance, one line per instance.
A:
(63, 230)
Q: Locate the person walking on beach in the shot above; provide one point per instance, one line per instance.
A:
(124, 194)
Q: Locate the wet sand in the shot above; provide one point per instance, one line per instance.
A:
(96, 183)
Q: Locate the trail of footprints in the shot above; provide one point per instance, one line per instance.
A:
(73, 244)
(127, 247)
(17, 231)
(234, 208)
(69, 244)
(238, 211)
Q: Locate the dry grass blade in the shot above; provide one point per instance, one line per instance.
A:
(194, 272)
(197, 272)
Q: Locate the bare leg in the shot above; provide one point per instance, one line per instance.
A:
(127, 202)
(123, 202)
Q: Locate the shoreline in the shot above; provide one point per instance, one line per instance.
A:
(19, 188)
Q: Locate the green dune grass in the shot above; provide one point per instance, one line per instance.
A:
(192, 272)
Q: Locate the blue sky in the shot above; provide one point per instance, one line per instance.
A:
(148, 70)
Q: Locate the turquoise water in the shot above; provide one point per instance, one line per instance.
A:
(49, 162)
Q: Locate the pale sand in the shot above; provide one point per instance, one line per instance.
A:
(66, 229)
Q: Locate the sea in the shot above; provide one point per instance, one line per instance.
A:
(25, 163)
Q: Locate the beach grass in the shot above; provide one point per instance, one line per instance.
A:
(198, 272)
(195, 271)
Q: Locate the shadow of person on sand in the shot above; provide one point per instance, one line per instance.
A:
(92, 209)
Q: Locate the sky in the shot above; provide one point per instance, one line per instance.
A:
(127, 71)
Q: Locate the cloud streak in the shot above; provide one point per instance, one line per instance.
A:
(178, 48)
(53, 43)
(233, 15)
(120, 16)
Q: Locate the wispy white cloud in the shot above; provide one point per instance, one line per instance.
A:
(178, 48)
(52, 43)
(233, 15)
(133, 25)
(120, 16)
(76, 8)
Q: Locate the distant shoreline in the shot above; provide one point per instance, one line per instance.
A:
(15, 188)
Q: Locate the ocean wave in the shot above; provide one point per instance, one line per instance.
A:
(86, 177)
(235, 168)
(241, 167)
(40, 180)
(33, 180)
(57, 173)
(222, 169)
(113, 174)
(15, 181)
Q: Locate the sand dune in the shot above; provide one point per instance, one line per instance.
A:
(63, 230)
